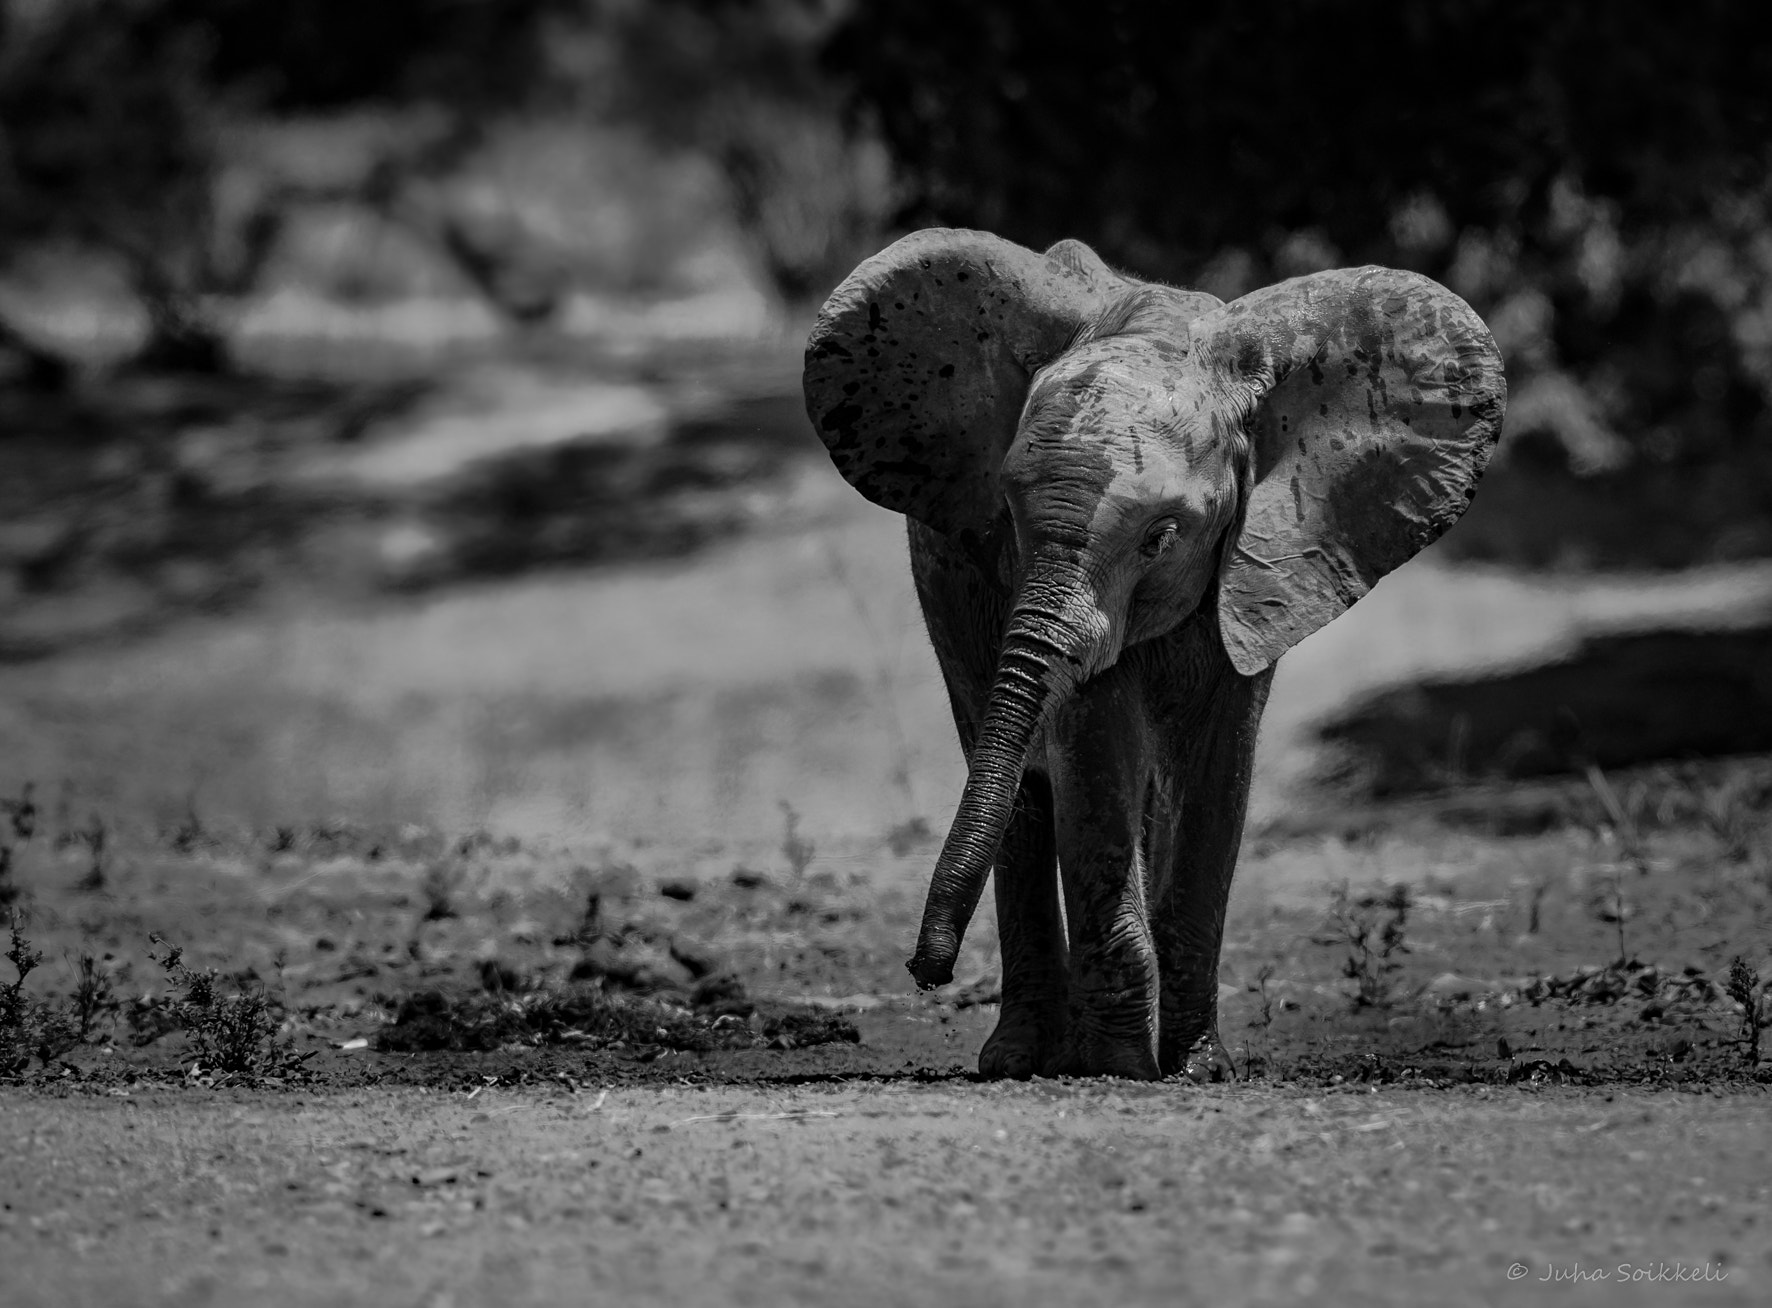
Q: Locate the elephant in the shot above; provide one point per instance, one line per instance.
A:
(1125, 501)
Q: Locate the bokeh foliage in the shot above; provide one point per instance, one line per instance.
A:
(1592, 175)
(125, 128)
(113, 116)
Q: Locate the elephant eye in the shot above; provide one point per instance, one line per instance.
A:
(1160, 537)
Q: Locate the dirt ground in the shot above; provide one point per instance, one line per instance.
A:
(1511, 1096)
(887, 1193)
(541, 940)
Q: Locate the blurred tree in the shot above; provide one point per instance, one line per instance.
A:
(1592, 175)
(1168, 131)
(112, 119)
(120, 131)
(742, 82)
(103, 142)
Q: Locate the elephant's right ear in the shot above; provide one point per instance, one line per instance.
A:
(919, 364)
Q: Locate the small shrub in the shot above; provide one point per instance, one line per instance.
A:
(94, 993)
(28, 1026)
(234, 1035)
(1745, 988)
(1373, 929)
(1256, 1061)
(1265, 1017)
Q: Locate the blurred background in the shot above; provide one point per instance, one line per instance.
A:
(400, 418)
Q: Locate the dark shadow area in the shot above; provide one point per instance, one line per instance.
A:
(149, 499)
(1541, 515)
(1618, 701)
(608, 503)
(151, 496)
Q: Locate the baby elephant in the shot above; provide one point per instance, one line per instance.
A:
(1126, 501)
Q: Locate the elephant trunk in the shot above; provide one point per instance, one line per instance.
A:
(1046, 652)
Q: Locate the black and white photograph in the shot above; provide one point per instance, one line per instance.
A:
(977, 653)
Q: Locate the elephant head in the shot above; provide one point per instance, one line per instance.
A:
(1137, 453)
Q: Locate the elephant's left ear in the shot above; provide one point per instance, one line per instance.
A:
(919, 365)
(1373, 399)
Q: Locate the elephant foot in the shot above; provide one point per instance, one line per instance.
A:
(1021, 1045)
(1208, 1060)
(1096, 1056)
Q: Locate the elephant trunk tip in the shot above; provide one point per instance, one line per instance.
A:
(933, 963)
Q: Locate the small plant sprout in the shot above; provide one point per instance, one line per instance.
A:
(1746, 988)
(27, 1026)
(1630, 844)
(231, 1035)
(16, 1009)
(795, 848)
(94, 993)
(1630, 838)
(1263, 1019)
(1373, 930)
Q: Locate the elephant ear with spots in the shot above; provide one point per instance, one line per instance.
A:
(1374, 398)
(920, 362)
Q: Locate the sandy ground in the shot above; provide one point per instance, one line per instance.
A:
(888, 1194)
(1457, 1140)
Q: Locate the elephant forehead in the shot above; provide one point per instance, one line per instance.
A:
(1134, 414)
(1114, 391)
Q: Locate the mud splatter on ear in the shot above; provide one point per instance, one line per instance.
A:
(919, 364)
(1375, 398)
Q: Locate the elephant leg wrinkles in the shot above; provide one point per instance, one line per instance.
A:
(1192, 886)
(1032, 1022)
(1149, 768)
(1100, 756)
(1152, 763)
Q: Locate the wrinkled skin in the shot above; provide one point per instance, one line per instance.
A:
(1126, 503)
(1138, 786)
(1137, 777)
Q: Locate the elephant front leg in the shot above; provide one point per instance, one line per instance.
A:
(1113, 1024)
(1031, 931)
(1193, 886)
